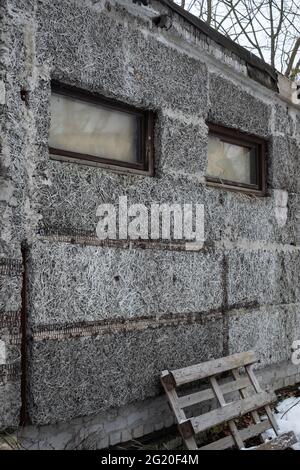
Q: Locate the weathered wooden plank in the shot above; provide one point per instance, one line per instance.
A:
(172, 396)
(245, 434)
(279, 443)
(258, 389)
(232, 426)
(244, 394)
(207, 394)
(232, 411)
(216, 366)
(177, 410)
(190, 443)
(217, 391)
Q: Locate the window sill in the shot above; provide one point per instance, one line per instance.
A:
(238, 189)
(97, 163)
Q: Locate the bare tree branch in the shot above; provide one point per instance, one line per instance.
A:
(268, 28)
(292, 57)
(254, 44)
(209, 11)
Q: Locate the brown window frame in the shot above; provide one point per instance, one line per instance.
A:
(145, 166)
(240, 138)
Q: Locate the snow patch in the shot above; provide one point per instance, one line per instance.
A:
(288, 418)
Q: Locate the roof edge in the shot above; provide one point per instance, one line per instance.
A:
(224, 41)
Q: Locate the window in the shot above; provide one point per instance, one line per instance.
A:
(235, 160)
(93, 130)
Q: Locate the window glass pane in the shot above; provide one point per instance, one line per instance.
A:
(87, 128)
(231, 162)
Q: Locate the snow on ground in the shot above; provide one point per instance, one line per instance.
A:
(288, 418)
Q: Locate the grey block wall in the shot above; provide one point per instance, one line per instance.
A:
(11, 191)
(103, 320)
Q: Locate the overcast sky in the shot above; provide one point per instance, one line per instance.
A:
(259, 29)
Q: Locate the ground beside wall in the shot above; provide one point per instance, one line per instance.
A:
(131, 422)
(102, 320)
